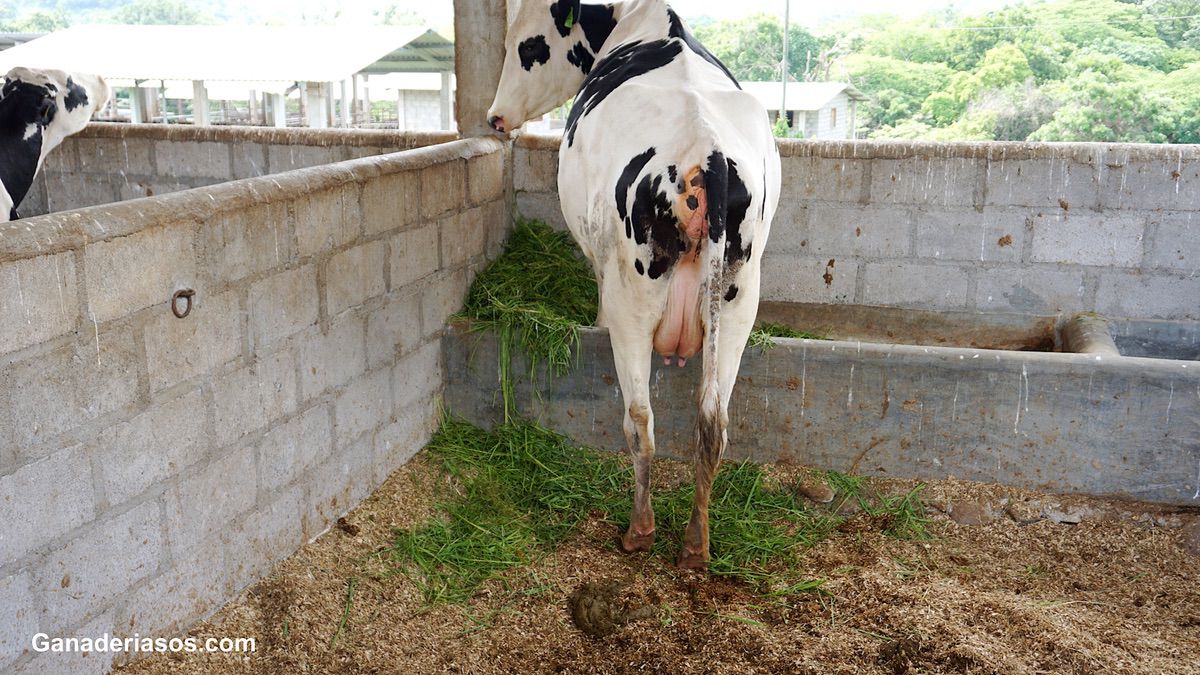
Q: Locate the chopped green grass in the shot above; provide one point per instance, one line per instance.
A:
(762, 334)
(535, 296)
(523, 490)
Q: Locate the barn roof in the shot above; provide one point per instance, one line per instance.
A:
(235, 53)
(801, 96)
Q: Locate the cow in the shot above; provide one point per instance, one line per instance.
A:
(38, 109)
(668, 179)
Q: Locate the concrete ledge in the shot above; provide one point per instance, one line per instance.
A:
(274, 136)
(1062, 422)
(56, 232)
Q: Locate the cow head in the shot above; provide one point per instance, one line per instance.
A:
(538, 74)
(53, 102)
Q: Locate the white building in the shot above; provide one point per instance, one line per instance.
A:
(819, 110)
(328, 73)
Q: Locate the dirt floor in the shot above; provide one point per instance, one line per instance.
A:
(1011, 582)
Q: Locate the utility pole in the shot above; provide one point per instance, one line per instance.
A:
(787, 9)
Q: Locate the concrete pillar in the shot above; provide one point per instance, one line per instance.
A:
(345, 103)
(199, 103)
(315, 105)
(327, 97)
(278, 110)
(137, 105)
(479, 28)
(356, 102)
(446, 124)
(401, 117)
(366, 92)
(252, 108)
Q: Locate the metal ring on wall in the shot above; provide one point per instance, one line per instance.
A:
(186, 294)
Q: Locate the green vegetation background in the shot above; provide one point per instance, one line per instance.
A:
(1062, 70)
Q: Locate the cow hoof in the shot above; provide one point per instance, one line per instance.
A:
(632, 542)
(693, 561)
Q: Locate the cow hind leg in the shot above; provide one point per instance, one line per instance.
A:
(631, 354)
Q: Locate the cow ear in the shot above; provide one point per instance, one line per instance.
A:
(566, 15)
(46, 111)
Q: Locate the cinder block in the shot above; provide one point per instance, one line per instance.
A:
(909, 285)
(833, 231)
(338, 484)
(1068, 184)
(249, 160)
(287, 157)
(823, 179)
(282, 304)
(250, 398)
(395, 327)
(322, 223)
(66, 191)
(444, 297)
(926, 181)
(1158, 184)
(50, 394)
(414, 255)
(543, 206)
(44, 500)
(205, 501)
(151, 447)
(265, 536)
(485, 177)
(1030, 291)
(210, 335)
(251, 241)
(128, 156)
(151, 186)
(1175, 242)
(135, 272)
(996, 235)
(38, 300)
(21, 620)
(792, 278)
(535, 170)
(97, 567)
(443, 188)
(36, 202)
(331, 359)
(462, 237)
(390, 202)
(398, 442)
(1088, 239)
(195, 585)
(291, 449)
(1145, 296)
(365, 405)
(75, 663)
(199, 159)
(418, 376)
(354, 276)
(497, 220)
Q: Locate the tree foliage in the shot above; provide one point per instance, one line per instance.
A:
(752, 48)
(160, 13)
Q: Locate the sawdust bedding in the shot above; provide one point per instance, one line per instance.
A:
(1011, 582)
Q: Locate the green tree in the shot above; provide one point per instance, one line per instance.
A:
(752, 48)
(37, 21)
(160, 13)
(897, 89)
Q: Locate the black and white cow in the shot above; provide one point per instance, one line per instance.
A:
(668, 178)
(38, 109)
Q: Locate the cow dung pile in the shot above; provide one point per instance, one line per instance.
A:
(1007, 581)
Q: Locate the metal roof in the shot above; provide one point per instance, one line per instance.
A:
(801, 96)
(10, 40)
(235, 53)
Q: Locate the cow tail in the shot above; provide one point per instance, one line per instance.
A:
(710, 423)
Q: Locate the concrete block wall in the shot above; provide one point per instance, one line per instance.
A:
(151, 466)
(1006, 228)
(108, 163)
